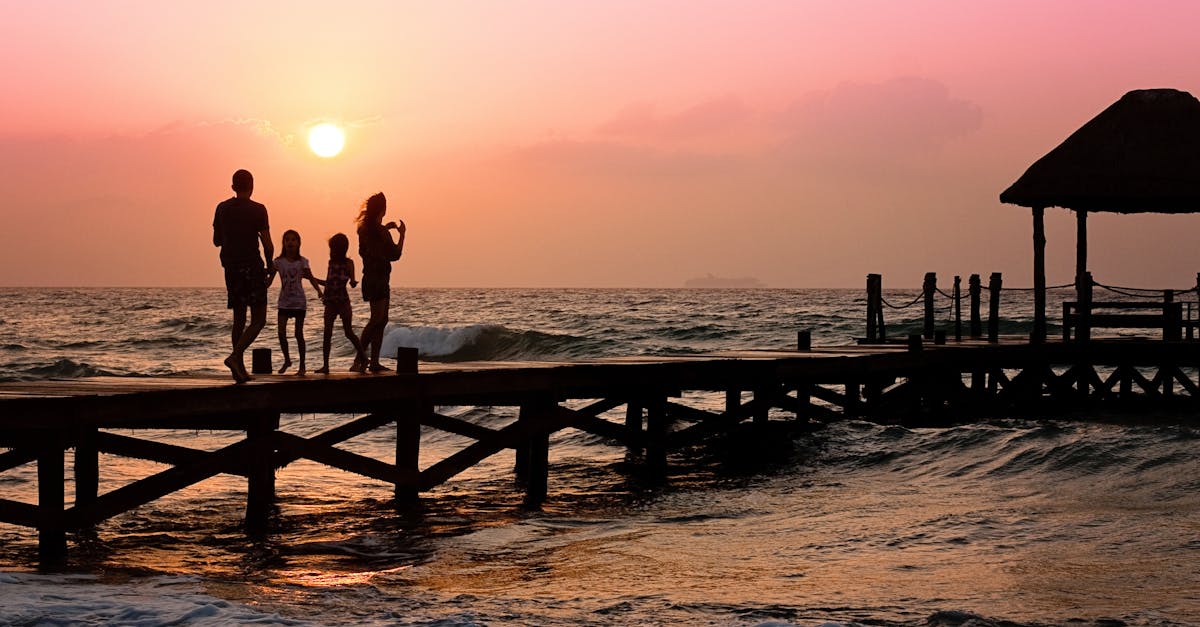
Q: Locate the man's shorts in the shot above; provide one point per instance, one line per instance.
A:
(246, 286)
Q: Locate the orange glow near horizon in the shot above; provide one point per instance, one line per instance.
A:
(541, 143)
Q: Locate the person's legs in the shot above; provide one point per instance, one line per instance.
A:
(239, 324)
(379, 314)
(281, 322)
(300, 346)
(327, 340)
(348, 328)
(236, 360)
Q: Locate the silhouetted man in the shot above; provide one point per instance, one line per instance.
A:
(238, 226)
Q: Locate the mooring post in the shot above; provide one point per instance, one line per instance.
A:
(995, 283)
(260, 470)
(408, 450)
(633, 425)
(52, 533)
(260, 361)
(974, 289)
(957, 308)
(928, 290)
(87, 467)
(803, 340)
(536, 414)
(406, 360)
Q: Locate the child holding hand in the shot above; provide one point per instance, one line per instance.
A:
(293, 303)
(337, 300)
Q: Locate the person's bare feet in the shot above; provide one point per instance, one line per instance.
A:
(301, 371)
(287, 363)
(359, 365)
(236, 369)
(378, 367)
(322, 370)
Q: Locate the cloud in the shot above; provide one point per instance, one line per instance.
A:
(619, 159)
(643, 120)
(896, 118)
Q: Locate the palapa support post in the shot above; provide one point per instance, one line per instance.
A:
(408, 449)
(260, 471)
(536, 413)
(995, 284)
(260, 361)
(803, 340)
(87, 467)
(975, 289)
(406, 360)
(1038, 334)
(957, 308)
(928, 290)
(52, 533)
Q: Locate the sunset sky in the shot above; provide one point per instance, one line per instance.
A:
(572, 143)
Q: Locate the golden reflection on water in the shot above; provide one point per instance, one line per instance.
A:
(310, 579)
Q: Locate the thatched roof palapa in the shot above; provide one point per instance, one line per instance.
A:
(1142, 154)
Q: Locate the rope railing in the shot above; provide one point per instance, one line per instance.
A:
(916, 300)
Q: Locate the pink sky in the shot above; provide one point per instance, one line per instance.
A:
(552, 143)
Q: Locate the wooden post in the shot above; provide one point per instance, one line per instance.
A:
(762, 405)
(803, 340)
(803, 400)
(853, 399)
(914, 342)
(874, 308)
(995, 284)
(633, 425)
(957, 308)
(87, 467)
(1039, 276)
(52, 534)
(928, 290)
(1172, 317)
(406, 360)
(536, 413)
(408, 449)
(1081, 247)
(1083, 287)
(260, 475)
(973, 286)
(656, 436)
(260, 361)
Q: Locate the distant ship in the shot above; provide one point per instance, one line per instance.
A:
(718, 281)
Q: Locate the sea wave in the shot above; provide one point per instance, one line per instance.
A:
(492, 342)
(60, 369)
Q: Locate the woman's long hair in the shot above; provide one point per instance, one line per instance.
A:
(372, 210)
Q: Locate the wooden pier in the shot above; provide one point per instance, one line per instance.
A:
(917, 383)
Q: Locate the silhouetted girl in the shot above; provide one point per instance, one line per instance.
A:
(293, 303)
(337, 300)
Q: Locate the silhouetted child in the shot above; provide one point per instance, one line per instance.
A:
(293, 303)
(337, 299)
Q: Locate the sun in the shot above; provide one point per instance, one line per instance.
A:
(326, 140)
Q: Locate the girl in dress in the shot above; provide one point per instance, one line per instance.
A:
(337, 300)
(293, 302)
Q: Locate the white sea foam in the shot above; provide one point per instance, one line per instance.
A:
(434, 341)
(29, 599)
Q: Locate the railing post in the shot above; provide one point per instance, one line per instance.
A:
(957, 308)
(1083, 331)
(874, 308)
(1172, 317)
(929, 289)
(975, 289)
(995, 283)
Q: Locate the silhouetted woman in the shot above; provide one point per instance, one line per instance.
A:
(378, 251)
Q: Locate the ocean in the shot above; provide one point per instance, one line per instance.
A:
(1034, 520)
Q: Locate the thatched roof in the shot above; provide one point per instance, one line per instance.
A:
(1142, 154)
